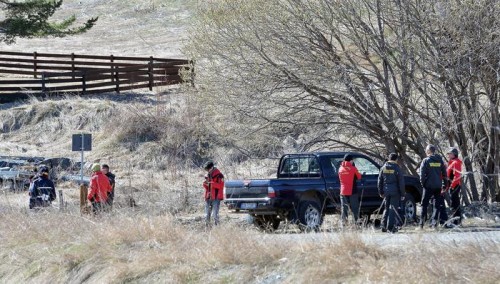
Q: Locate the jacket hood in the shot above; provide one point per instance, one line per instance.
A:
(435, 158)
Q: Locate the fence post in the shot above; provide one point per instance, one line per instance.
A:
(150, 71)
(43, 84)
(61, 200)
(192, 73)
(73, 65)
(34, 63)
(112, 59)
(84, 83)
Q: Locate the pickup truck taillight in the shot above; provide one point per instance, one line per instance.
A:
(270, 192)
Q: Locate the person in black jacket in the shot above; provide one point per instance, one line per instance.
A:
(391, 187)
(111, 196)
(42, 191)
(433, 179)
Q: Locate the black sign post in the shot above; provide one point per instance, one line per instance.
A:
(81, 142)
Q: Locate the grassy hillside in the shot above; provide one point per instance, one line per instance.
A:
(141, 28)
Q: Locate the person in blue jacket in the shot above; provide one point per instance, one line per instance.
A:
(391, 186)
(42, 191)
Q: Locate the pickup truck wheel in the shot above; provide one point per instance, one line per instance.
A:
(410, 208)
(310, 217)
(267, 223)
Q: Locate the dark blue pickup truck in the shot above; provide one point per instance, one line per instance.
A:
(307, 187)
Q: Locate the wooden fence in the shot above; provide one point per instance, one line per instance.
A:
(23, 74)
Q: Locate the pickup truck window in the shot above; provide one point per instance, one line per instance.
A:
(300, 166)
(336, 164)
(366, 167)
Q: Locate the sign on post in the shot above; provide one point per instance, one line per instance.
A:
(81, 142)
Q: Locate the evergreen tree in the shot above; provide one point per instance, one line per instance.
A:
(30, 18)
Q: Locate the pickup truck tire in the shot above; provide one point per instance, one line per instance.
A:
(410, 208)
(310, 216)
(267, 223)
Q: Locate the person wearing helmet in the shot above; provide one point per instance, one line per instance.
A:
(453, 173)
(214, 192)
(42, 191)
(99, 189)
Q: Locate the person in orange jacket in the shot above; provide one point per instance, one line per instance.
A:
(99, 189)
(453, 173)
(348, 174)
(214, 192)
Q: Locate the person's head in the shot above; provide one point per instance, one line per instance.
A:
(105, 169)
(430, 150)
(96, 168)
(393, 157)
(44, 171)
(452, 153)
(348, 157)
(208, 166)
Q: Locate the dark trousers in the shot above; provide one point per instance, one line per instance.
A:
(439, 211)
(455, 205)
(351, 201)
(111, 197)
(98, 207)
(391, 207)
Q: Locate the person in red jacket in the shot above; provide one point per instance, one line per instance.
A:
(453, 173)
(348, 174)
(99, 189)
(214, 192)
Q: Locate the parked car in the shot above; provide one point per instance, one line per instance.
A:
(307, 187)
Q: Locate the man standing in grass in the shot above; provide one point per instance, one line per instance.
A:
(391, 186)
(348, 174)
(214, 192)
(453, 173)
(42, 191)
(432, 177)
(111, 177)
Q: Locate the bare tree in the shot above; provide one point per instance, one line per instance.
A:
(373, 76)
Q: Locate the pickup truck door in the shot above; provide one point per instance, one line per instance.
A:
(368, 184)
(330, 166)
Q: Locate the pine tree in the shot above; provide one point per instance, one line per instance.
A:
(31, 18)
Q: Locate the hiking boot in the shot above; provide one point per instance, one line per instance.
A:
(384, 230)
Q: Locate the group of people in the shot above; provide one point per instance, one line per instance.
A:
(437, 179)
(101, 189)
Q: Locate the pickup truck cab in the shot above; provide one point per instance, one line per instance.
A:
(307, 187)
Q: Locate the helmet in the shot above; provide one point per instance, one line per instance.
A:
(96, 167)
(208, 165)
(453, 150)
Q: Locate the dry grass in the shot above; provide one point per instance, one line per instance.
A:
(126, 246)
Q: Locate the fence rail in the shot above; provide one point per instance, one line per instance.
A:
(23, 74)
